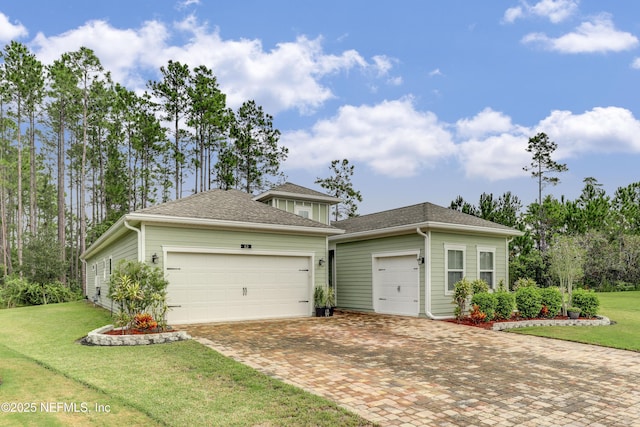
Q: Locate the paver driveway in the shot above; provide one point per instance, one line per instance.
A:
(409, 371)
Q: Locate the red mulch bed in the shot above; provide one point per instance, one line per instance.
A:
(489, 325)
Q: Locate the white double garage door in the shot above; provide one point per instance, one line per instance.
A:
(211, 287)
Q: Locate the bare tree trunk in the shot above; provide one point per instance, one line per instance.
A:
(32, 175)
(62, 238)
(83, 214)
(72, 234)
(6, 247)
(19, 195)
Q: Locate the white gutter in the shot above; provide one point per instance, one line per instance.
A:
(432, 225)
(297, 196)
(164, 219)
(126, 224)
(427, 276)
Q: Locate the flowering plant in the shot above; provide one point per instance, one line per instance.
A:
(144, 321)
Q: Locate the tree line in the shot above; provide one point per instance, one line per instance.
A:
(78, 151)
(606, 228)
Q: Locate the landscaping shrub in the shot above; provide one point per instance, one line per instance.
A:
(524, 282)
(551, 300)
(479, 285)
(16, 292)
(138, 288)
(505, 304)
(486, 303)
(477, 316)
(461, 291)
(587, 301)
(528, 301)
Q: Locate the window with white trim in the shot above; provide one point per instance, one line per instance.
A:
(454, 264)
(303, 211)
(487, 265)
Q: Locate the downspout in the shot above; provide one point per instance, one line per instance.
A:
(126, 224)
(427, 276)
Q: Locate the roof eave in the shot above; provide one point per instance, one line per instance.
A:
(311, 197)
(429, 225)
(233, 225)
(112, 233)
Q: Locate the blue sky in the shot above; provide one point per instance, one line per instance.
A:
(429, 100)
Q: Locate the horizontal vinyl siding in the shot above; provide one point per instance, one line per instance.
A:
(441, 304)
(157, 236)
(319, 211)
(125, 248)
(354, 277)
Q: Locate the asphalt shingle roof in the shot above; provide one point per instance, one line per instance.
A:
(229, 205)
(415, 214)
(289, 187)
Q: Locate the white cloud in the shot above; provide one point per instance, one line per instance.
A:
(486, 122)
(121, 52)
(513, 13)
(554, 10)
(396, 140)
(599, 35)
(495, 157)
(289, 76)
(600, 130)
(392, 138)
(10, 31)
(636, 64)
(435, 72)
(186, 3)
(486, 154)
(383, 64)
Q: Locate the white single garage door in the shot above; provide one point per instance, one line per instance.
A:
(218, 287)
(396, 281)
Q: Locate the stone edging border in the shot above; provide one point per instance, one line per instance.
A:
(598, 321)
(98, 337)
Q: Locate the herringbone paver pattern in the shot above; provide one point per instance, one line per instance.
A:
(418, 372)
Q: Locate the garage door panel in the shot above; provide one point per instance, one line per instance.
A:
(397, 285)
(216, 287)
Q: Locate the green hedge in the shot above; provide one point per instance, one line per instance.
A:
(486, 302)
(552, 299)
(587, 301)
(505, 304)
(528, 301)
(17, 292)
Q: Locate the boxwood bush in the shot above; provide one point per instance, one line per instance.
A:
(587, 301)
(486, 302)
(528, 301)
(551, 298)
(505, 304)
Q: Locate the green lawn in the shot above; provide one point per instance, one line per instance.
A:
(621, 307)
(180, 384)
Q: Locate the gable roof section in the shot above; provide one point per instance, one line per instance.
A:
(424, 215)
(290, 190)
(225, 209)
(227, 206)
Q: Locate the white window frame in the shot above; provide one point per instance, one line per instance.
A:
(447, 248)
(493, 267)
(307, 209)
